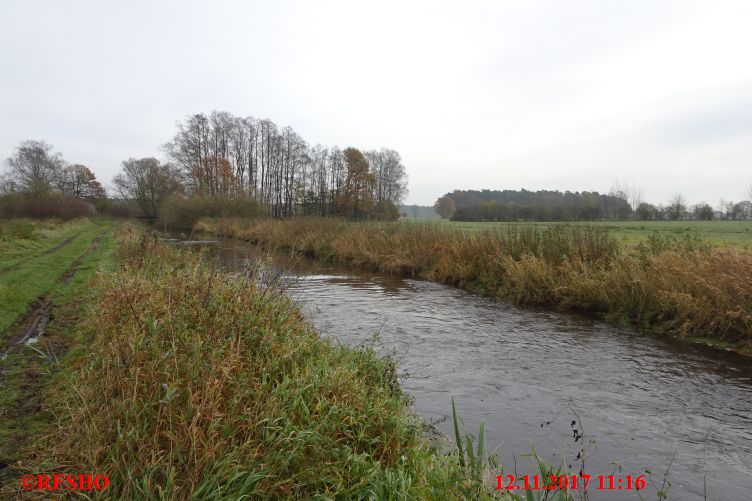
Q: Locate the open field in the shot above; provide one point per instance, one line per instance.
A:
(630, 232)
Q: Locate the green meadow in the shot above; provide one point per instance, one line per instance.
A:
(717, 232)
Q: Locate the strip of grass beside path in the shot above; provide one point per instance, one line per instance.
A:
(24, 239)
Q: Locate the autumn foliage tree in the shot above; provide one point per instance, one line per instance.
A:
(356, 200)
(79, 181)
(445, 207)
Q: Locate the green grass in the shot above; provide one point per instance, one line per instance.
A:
(32, 277)
(630, 232)
(23, 239)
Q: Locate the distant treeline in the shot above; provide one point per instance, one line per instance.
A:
(512, 205)
(544, 205)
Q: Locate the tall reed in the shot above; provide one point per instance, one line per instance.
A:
(678, 286)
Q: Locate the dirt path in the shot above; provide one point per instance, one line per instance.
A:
(23, 376)
(32, 325)
(49, 251)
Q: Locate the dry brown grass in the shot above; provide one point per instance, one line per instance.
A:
(677, 286)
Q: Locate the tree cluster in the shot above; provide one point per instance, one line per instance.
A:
(35, 170)
(677, 209)
(222, 155)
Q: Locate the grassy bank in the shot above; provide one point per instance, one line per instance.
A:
(680, 286)
(190, 383)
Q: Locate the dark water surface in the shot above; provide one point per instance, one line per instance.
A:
(640, 398)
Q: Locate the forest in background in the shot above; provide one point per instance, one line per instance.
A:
(621, 203)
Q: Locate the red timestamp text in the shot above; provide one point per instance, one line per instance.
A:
(570, 482)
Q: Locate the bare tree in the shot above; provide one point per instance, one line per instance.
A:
(7, 184)
(617, 203)
(147, 182)
(677, 208)
(34, 168)
(635, 197)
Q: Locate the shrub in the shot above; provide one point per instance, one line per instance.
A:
(118, 208)
(179, 212)
(49, 206)
(17, 228)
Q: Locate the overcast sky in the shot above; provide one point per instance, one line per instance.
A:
(567, 95)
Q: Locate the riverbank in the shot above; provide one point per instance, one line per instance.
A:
(182, 381)
(678, 286)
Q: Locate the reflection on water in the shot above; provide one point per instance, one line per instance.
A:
(641, 398)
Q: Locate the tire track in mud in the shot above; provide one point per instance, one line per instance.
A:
(32, 325)
(30, 383)
(47, 252)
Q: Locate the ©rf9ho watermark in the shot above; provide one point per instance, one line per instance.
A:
(64, 482)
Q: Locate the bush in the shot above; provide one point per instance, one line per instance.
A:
(179, 212)
(53, 205)
(17, 229)
(117, 208)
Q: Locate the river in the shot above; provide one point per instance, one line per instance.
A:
(528, 374)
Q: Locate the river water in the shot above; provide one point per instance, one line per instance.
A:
(528, 374)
